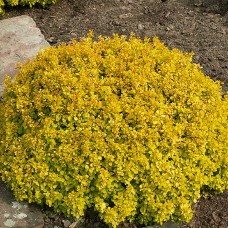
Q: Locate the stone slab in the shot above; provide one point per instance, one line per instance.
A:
(20, 39)
(18, 214)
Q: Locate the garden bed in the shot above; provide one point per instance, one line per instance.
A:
(198, 26)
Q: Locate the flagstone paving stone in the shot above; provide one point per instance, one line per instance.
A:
(20, 39)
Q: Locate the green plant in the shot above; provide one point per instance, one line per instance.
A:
(127, 127)
(23, 3)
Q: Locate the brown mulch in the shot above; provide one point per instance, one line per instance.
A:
(200, 26)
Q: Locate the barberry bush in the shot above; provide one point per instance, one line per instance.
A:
(124, 126)
(23, 3)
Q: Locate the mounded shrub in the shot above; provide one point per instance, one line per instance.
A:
(23, 3)
(127, 127)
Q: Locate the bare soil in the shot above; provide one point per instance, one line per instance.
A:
(200, 26)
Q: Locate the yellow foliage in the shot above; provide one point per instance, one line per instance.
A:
(2, 4)
(23, 3)
(127, 127)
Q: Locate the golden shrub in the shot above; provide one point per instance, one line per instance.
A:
(127, 127)
(23, 3)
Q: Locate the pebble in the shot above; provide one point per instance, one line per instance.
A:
(140, 26)
(66, 223)
(73, 225)
(126, 15)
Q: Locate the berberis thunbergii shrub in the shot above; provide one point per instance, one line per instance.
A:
(127, 127)
(30, 3)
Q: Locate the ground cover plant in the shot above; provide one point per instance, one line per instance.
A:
(127, 127)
